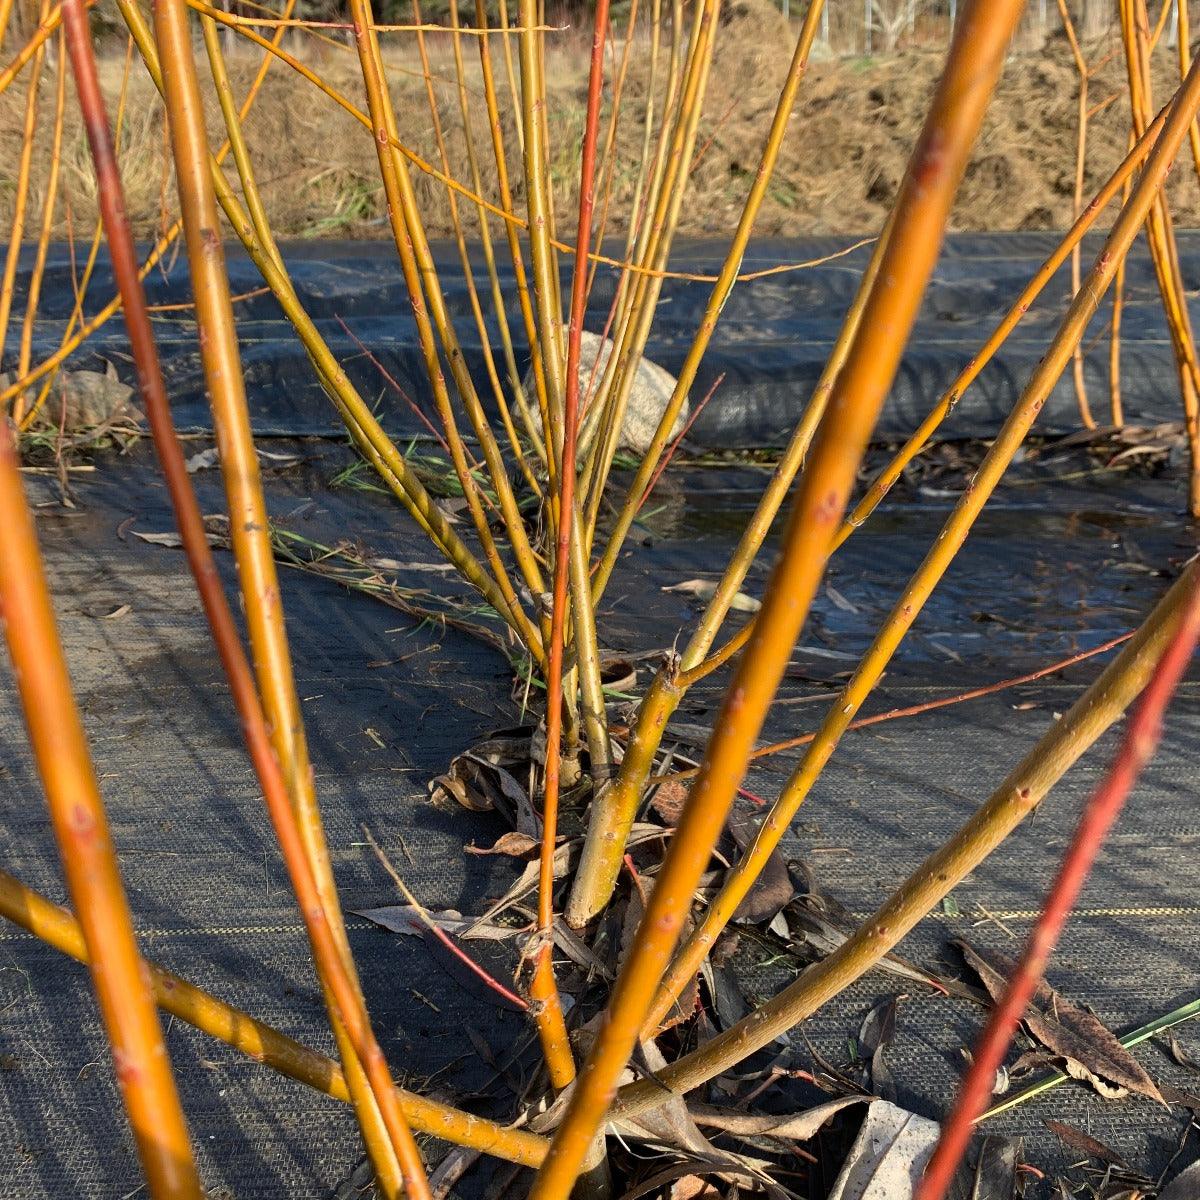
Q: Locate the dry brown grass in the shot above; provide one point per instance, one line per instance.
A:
(854, 126)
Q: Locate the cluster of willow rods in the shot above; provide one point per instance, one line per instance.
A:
(546, 442)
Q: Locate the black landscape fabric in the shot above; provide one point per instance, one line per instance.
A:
(771, 342)
(1049, 570)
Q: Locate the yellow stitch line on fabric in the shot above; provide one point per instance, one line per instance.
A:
(1023, 914)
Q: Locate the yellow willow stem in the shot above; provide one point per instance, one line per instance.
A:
(608, 157)
(282, 709)
(1081, 67)
(920, 438)
(1183, 40)
(655, 218)
(1164, 252)
(81, 284)
(427, 168)
(612, 814)
(71, 343)
(1020, 794)
(262, 1042)
(633, 233)
(256, 565)
(570, 574)
(510, 72)
(539, 202)
(1118, 182)
(360, 420)
(946, 546)
(34, 46)
(719, 295)
(630, 343)
(49, 201)
(603, 851)
(60, 750)
(499, 308)
(424, 290)
(21, 193)
(1114, 345)
(537, 434)
(939, 158)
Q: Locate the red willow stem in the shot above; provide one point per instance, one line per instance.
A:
(1137, 748)
(212, 596)
(673, 448)
(551, 1025)
(914, 710)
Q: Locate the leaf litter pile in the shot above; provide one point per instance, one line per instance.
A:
(780, 1129)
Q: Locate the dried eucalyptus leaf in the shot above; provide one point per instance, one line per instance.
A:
(788, 1127)
(512, 845)
(1090, 1050)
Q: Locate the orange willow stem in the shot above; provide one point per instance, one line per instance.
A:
(89, 859)
(612, 813)
(939, 557)
(1137, 748)
(886, 480)
(262, 1042)
(248, 522)
(551, 1026)
(916, 710)
(281, 704)
(188, 517)
(1020, 794)
(972, 68)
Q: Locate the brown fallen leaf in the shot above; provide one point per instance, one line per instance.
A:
(1084, 1143)
(669, 799)
(1090, 1051)
(1180, 1056)
(694, 1187)
(874, 1037)
(514, 845)
(483, 786)
(788, 1127)
(773, 888)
